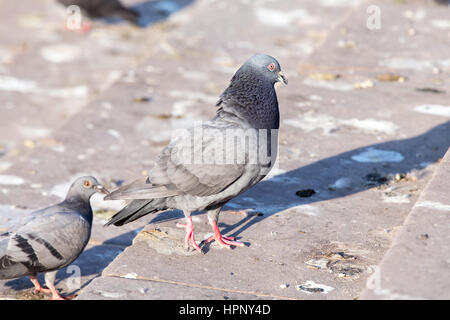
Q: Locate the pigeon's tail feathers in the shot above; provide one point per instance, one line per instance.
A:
(129, 15)
(7, 265)
(4, 240)
(136, 209)
(141, 190)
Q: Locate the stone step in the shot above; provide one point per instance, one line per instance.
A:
(361, 155)
(341, 136)
(147, 83)
(417, 263)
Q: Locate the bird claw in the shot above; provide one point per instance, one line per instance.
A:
(189, 235)
(41, 289)
(225, 242)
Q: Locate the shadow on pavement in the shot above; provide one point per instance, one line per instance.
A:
(151, 12)
(279, 192)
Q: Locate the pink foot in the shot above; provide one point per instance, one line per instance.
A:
(85, 27)
(38, 287)
(190, 235)
(225, 242)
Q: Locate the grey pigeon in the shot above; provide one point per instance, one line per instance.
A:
(249, 105)
(51, 238)
(96, 9)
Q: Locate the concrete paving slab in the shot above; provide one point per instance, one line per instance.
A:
(136, 289)
(416, 266)
(349, 139)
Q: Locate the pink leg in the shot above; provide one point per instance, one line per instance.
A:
(85, 27)
(225, 242)
(49, 281)
(37, 285)
(190, 235)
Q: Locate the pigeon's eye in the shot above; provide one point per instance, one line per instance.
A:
(271, 67)
(87, 184)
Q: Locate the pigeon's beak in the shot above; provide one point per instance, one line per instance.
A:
(102, 189)
(282, 78)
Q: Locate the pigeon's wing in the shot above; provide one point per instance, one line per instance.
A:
(199, 162)
(143, 189)
(52, 239)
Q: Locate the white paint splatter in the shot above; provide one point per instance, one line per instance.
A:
(315, 98)
(196, 96)
(11, 180)
(278, 18)
(433, 205)
(59, 148)
(179, 108)
(321, 288)
(8, 83)
(331, 85)
(34, 132)
(194, 75)
(418, 15)
(311, 121)
(445, 63)
(372, 125)
(376, 155)
(434, 109)
(60, 53)
(115, 134)
(406, 63)
(131, 275)
(5, 165)
(341, 183)
(402, 198)
(441, 24)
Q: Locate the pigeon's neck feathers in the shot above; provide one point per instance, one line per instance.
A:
(76, 203)
(251, 97)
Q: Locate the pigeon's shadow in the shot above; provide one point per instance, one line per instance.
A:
(91, 262)
(151, 12)
(278, 193)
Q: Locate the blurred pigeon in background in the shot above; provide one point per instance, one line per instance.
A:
(51, 238)
(249, 104)
(96, 9)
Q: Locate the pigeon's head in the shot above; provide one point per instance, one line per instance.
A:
(266, 66)
(85, 187)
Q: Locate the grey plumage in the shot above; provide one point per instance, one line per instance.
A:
(177, 180)
(96, 9)
(50, 238)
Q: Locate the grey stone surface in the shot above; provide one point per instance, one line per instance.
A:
(123, 288)
(329, 127)
(417, 264)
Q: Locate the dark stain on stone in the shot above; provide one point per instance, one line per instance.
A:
(430, 90)
(305, 193)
